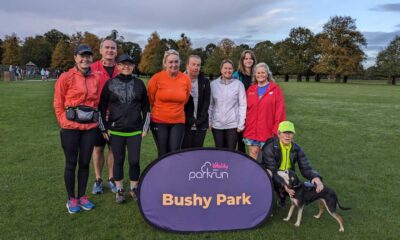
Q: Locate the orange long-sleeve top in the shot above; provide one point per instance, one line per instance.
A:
(168, 96)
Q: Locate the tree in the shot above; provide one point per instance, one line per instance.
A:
(1, 49)
(11, 49)
(226, 46)
(282, 56)
(54, 36)
(184, 47)
(264, 52)
(388, 61)
(340, 46)
(213, 62)
(62, 56)
(151, 61)
(37, 50)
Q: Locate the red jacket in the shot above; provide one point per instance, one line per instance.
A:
(73, 89)
(97, 67)
(264, 115)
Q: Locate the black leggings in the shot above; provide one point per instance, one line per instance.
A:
(225, 138)
(118, 145)
(168, 137)
(77, 144)
(240, 144)
(194, 138)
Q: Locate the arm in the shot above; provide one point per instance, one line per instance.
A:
(60, 89)
(145, 110)
(189, 109)
(152, 90)
(242, 107)
(103, 105)
(211, 109)
(305, 168)
(206, 103)
(280, 110)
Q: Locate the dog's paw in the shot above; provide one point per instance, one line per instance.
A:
(297, 224)
(317, 216)
(286, 219)
(341, 229)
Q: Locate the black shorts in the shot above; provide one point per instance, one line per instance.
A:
(99, 141)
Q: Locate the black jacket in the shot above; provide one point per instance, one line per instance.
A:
(201, 121)
(125, 97)
(271, 158)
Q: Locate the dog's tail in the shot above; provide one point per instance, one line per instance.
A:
(341, 207)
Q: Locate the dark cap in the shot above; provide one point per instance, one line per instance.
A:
(125, 58)
(82, 49)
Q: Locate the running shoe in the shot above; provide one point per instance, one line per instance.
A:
(97, 187)
(85, 203)
(73, 206)
(120, 196)
(134, 194)
(111, 184)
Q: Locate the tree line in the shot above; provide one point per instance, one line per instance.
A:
(337, 52)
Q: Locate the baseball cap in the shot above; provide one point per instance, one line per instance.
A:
(125, 58)
(82, 49)
(286, 126)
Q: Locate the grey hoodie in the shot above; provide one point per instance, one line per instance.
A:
(228, 104)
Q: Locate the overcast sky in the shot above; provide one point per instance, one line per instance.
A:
(203, 21)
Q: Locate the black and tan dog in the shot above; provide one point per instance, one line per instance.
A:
(305, 194)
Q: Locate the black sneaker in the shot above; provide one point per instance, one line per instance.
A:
(120, 196)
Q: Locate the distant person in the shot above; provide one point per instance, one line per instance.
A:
(43, 74)
(245, 74)
(106, 67)
(168, 91)
(75, 104)
(280, 153)
(265, 109)
(129, 117)
(196, 109)
(47, 73)
(227, 108)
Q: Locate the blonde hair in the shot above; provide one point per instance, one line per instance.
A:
(171, 52)
(270, 78)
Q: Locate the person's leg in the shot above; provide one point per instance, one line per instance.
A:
(253, 151)
(134, 144)
(240, 144)
(176, 133)
(98, 154)
(70, 145)
(230, 136)
(110, 163)
(86, 145)
(161, 135)
(188, 139)
(218, 135)
(198, 139)
(118, 144)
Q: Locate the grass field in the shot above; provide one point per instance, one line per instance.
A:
(351, 133)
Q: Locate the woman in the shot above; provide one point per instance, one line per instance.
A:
(245, 74)
(227, 108)
(75, 104)
(265, 109)
(168, 92)
(125, 97)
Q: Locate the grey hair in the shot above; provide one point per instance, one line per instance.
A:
(270, 78)
(171, 52)
(193, 56)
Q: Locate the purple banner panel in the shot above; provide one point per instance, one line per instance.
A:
(205, 190)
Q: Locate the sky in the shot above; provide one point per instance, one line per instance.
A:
(203, 21)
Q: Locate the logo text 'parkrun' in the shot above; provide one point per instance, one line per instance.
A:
(210, 171)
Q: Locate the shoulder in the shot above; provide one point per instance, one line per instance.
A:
(236, 74)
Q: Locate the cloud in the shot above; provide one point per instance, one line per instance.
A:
(390, 7)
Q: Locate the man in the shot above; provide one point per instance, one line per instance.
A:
(196, 109)
(280, 154)
(106, 68)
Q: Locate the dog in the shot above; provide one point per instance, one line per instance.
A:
(305, 193)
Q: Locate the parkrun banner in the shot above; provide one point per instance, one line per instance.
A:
(205, 189)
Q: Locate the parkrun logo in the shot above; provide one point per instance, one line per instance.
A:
(210, 171)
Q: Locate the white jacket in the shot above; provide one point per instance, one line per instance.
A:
(228, 104)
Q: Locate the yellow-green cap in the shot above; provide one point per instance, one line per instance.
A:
(286, 126)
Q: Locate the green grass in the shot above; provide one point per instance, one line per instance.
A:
(349, 131)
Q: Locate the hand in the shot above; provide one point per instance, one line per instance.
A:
(317, 181)
(239, 130)
(106, 136)
(289, 191)
(144, 134)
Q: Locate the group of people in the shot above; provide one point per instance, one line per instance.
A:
(102, 102)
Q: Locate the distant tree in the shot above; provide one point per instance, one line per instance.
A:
(151, 61)
(340, 47)
(37, 50)
(94, 42)
(1, 49)
(54, 36)
(201, 53)
(388, 61)
(11, 50)
(133, 49)
(265, 53)
(213, 62)
(76, 39)
(209, 49)
(226, 46)
(62, 57)
(282, 57)
(184, 47)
